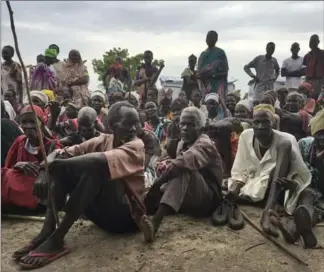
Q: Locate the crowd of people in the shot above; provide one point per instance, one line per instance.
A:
(127, 157)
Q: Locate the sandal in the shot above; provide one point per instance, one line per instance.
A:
(220, 215)
(47, 258)
(18, 254)
(235, 217)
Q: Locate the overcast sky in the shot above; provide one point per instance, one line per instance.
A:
(172, 30)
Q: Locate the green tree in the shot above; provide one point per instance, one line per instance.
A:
(100, 66)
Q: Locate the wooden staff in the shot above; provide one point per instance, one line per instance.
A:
(273, 240)
(39, 133)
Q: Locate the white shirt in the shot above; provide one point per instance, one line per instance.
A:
(292, 65)
(254, 173)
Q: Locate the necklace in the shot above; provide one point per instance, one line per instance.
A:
(265, 146)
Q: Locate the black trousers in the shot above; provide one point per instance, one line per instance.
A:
(91, 193)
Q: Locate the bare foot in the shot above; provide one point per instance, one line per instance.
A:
(287, 228)
(147, 227)
(267, 225)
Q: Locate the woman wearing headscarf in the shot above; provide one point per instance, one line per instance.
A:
(22, 163)
(306, 89)
(75, 78)
(270, 98)
(244, 112)
(98, 102)
(44, 75)
(215, 111)
(133, 98)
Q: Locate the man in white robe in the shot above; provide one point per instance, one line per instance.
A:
(268, 168)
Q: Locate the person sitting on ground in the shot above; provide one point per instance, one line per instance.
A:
(98, 102)
(152, 153)
(155, 124)
(153, 96)
(22, 163)
(116, 97)
(85, 128)
(295, 119)
(192, 181)
(165, 100)
(268, 168)
(68, 111)
(10, 131)
(196, 100)
(282, 94)
(244, 112)
(312, 151)
(231, 100)
(104, 178)
(215, 112)
(11, 96)
(133, 98)
(307, 91)
(269, 97)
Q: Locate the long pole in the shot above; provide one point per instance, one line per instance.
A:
(39, 133)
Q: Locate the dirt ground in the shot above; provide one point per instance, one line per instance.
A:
(182, 244)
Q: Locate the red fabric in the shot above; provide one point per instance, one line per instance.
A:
(39, 112)
(75, 124)
(305, 119)
(310, 106)
(315, 64)
(16, 188)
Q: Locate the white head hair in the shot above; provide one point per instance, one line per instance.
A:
(197, 113)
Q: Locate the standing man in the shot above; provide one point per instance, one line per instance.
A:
(292, 68)
(314, 62)
(267, 71)
(11, 76)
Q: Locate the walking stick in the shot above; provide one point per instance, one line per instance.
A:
(39, 133)
(273, 240)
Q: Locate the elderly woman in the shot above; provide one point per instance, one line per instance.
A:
(215, 111)
(133, 98)
(306, 89)
(22, 163)
(75, 77)
(192, 181)
(244, 112)
(295, 120)
(98, 102)
(269, 169)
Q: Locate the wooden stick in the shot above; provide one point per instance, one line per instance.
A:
(24, 217)
(39, 133)
(273, 240)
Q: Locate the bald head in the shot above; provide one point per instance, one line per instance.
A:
(87, 114)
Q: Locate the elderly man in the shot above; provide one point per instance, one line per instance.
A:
(192, 181)
(269, 168)
(85, 126)
(104, 178)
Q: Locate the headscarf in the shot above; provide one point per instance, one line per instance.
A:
(51, 53)
(9, 109)
(40, 95)
(246, 104)
(50, 94)
(134, 94)
(98, 93)
(308, 86)
(272, 95)
(39, 112)
(317, 122)
(212, 96)
(264, 107)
